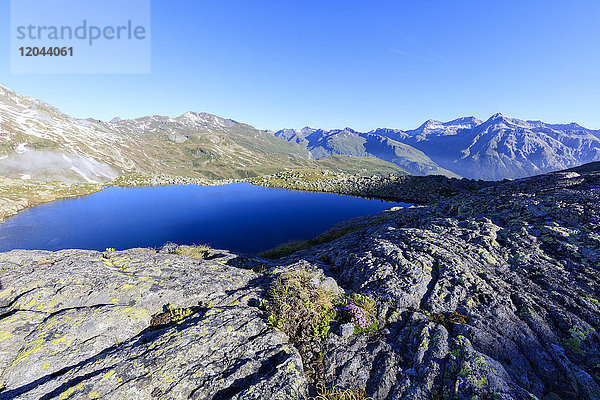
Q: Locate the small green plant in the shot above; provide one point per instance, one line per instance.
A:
(272, 320)
(297, 308)
(110, 250)
(178, 314)
(195, 251)
(342, 394)
(447, 319)
(116, 262)
(361, 300)
(305, 312)
(358, 309)
(275, 322)
(170, 315)
(321, 328)
(573, 343)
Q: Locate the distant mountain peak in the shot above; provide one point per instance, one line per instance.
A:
(430, 123)
(5, 89)
(307, 130)
(499, 118)
(471, 120)
(206, 120)
(193, 114)
(574, 125)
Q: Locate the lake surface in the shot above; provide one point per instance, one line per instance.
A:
(239, 217)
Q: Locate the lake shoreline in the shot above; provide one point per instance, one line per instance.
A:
(242, 217)
(18, 195)
(25, 194)
(412, 189)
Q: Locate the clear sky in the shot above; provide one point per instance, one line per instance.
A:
(362, 64)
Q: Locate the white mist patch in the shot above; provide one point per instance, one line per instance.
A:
(46, 165)
(22, 148)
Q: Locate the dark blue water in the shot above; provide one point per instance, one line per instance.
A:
(239, 217)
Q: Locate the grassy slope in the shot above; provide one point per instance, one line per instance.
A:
(360, 165)
(239, 156)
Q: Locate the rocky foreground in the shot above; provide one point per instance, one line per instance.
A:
(493, 294)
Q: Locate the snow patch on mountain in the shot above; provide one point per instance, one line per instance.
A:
(21, 148)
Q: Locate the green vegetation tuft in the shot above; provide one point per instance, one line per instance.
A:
(304, 312)
(178, 314)
(365, 302)
(195, 251)
(573, 343)
(361, 313)
(291, 247)
(170, 315)
(298, 309)
(448, 319)
(342, 394)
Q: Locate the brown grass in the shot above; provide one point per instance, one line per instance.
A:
(195, 251)
(298, 309)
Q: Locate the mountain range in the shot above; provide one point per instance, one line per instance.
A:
(37, 141)
(495, 149)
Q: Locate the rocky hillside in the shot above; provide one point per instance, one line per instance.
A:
(349, 142)
(503, 147)
(489, 295)
(495, 149)
(39, 142)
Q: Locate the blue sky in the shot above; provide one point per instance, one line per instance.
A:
(362, 64)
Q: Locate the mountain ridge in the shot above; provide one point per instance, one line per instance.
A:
(38, 141)
(497, 148)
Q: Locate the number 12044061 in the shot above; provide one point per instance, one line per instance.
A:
(46, 51)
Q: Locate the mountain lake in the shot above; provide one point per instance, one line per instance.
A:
(240, 217)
